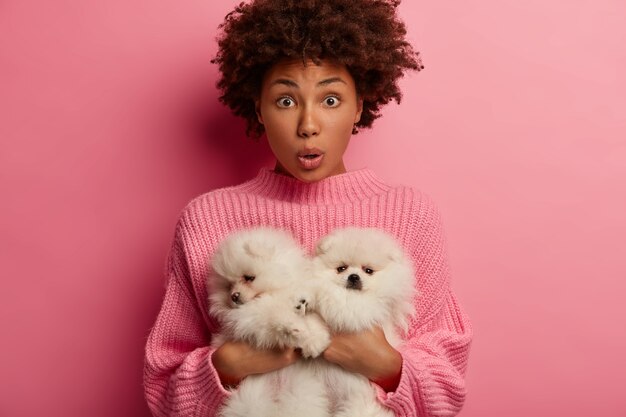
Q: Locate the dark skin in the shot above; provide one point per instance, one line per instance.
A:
(367, 353)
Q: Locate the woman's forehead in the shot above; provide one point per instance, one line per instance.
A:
(308, 71)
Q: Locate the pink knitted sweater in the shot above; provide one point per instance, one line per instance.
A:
(179, 378)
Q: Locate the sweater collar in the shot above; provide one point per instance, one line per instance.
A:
(342, 188)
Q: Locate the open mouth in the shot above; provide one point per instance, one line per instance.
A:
(310, 160)
(310, 153)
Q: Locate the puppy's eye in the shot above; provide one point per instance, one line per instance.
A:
(249, 278)
(342, 268)
(368, 271)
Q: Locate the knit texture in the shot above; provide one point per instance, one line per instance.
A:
(179, 378)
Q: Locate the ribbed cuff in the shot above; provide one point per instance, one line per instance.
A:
(216, 393)
(428, 386)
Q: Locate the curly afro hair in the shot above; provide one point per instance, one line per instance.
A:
(364, 35)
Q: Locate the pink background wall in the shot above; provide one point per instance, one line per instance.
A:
(109, 124)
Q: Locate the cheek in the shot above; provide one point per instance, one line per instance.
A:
(339, 279)
(277, 131)
(276, 119)
(341, 120)
(280, 148)
(341, 127)
(271, 117)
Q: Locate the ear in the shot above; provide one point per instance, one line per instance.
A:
(396, 251)
(257, 109)
(359, 109)
(218, 262)
(323, 246)
(258, 250)
(394, 256)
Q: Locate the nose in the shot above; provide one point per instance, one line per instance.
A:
(354, 278)
(308, 125)
(235, 297)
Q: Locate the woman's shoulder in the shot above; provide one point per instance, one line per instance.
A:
(210, 197)
(420, 200)
(418, 209)
(206, 207)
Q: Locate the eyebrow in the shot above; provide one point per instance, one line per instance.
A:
(290, 83)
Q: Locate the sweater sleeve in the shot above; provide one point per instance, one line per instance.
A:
(435, 355)
(179, 378)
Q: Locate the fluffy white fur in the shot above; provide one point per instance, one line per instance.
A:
(358, 279)
(364, 280)
(259, 293)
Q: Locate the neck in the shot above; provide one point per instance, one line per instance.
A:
(348, 187)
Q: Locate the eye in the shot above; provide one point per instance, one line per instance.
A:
(249, 278)
(368, 271)
(285, 102)
(342, 268)
(331, 101)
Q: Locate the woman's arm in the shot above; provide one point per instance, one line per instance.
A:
(424, 378)
(183, 374)
(436, 352)
(433, 360)
(234, 361)
(179, 378)
(367, 353)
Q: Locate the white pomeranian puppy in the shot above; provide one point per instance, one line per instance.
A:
(364, 280)
(259, 291)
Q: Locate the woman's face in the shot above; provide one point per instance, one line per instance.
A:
(308, 112)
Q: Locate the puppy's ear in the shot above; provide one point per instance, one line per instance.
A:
(259, 250)
(395, 255)
(394, 251)
(218, 261)
(323, 246)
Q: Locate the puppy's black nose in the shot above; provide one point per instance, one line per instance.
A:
(354, 278)
(354, 282)
(235, 297)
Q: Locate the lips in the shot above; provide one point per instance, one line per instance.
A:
(309, 151)
(310, 158)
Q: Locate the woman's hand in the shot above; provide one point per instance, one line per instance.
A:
(367, 353)
(236, 360)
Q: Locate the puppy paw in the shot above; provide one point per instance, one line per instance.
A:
(315, 340)
(287, 333)
(288, 329)
(314, 350)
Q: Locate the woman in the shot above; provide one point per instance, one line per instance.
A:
(307, 74)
